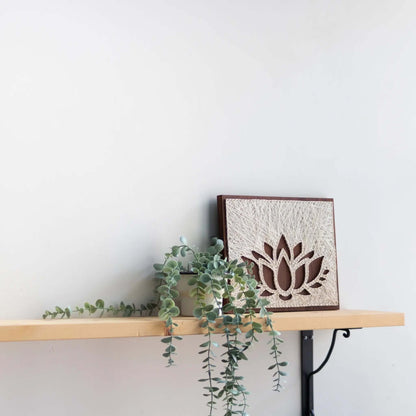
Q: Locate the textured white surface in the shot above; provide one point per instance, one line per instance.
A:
(252, 222)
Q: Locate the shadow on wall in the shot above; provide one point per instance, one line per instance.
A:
(212, 216)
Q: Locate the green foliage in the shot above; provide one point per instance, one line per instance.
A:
(236, 298)
(99, 308)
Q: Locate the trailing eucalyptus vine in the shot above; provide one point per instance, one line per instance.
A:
(99, 308)
(226, 301)
(236, 298)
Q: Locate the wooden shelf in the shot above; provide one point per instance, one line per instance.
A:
(42, 330)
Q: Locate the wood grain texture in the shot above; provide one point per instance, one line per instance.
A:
(42, 330)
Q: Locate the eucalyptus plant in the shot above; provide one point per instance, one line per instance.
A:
(233, 314)
(99, 307)
(236, 299)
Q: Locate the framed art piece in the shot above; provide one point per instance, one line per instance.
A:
(289, 243)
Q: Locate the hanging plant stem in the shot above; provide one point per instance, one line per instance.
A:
(99, 307)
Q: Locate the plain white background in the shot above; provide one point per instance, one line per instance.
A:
(120, 122)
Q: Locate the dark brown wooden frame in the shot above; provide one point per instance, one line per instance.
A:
(222, 215)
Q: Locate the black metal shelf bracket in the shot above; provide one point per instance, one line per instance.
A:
(307, 371)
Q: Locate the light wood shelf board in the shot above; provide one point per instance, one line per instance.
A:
(61, 329)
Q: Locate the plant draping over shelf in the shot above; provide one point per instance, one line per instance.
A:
(234, 300)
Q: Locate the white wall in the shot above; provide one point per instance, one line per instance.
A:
(120, 123)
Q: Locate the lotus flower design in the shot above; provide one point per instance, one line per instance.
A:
(286, 272)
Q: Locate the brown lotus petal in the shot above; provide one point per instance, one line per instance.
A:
(308, 255)
(266, 293)
(284, 277)
(268, 249)
(326, 271)
(300, 276)
(268, 276)
(285, 297)
(315, 268)
(322, 278)
(304, 292)
(297, 250)
(257, 255)
(255, 267)
(282, 246)
(316, 285)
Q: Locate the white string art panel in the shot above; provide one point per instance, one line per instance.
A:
(289, 243)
